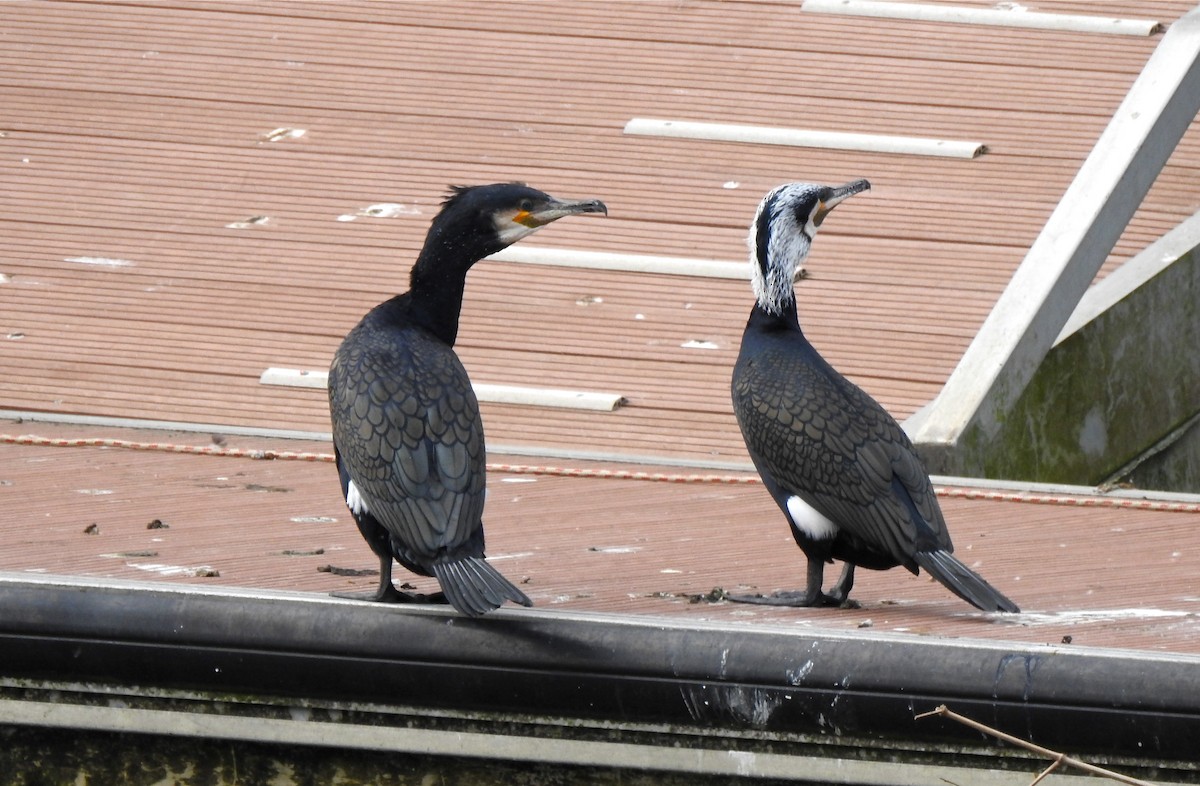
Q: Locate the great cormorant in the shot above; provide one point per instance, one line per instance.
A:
(838, 465)
(406, 428)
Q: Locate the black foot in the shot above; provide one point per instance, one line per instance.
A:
(392, 595)
(795, 600)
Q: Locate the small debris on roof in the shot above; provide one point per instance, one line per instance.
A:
(157, 524)
(336, 571)
(714, 595)
(200, 571)
(382, 210)
(253, 221)
(92, 529)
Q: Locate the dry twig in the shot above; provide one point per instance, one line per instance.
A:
(1057, 758)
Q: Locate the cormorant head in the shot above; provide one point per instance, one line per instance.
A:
(480, 220)
(782, 233)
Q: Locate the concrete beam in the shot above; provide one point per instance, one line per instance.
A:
(1068, 253)
(633, 699)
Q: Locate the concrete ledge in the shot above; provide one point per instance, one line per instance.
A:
(742, 700)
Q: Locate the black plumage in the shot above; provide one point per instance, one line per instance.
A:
(406, 426)
(838, 465)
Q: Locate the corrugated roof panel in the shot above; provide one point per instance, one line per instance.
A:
(139, 132)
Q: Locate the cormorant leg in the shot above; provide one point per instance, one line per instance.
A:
(385, 592)
(811, 596)
(841, 591)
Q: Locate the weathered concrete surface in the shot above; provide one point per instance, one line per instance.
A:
(1174, 465)
(1120, 383)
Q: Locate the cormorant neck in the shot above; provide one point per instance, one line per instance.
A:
(437, 308)
(436, 287)
(786, 318)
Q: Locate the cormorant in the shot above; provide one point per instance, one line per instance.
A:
(406, 429)
(838, 465)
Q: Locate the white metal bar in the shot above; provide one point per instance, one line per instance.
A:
(628, 263)
(793, 137)
(494, 394)
(1004, 17)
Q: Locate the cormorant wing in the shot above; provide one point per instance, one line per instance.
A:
(826, 441)
(409, 435)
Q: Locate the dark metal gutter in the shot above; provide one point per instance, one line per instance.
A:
(772, 691)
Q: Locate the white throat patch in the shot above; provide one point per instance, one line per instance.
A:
(510, 231)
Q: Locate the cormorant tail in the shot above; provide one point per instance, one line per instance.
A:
(474, 587)
(964, 582)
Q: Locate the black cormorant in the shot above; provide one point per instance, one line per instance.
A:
(406, 427)
(838, 465)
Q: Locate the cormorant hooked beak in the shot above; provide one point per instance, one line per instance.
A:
(836, 196)
(540, 215)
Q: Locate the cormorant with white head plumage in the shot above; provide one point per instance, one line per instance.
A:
(838, 465)
(406, 428)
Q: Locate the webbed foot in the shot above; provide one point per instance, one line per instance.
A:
(794, 599)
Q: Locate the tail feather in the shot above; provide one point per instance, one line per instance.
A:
(474, 587)
(964, 582)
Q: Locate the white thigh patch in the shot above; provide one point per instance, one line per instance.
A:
(809, 521)
(354, 500)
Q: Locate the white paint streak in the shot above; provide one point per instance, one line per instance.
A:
(1088, 616)
(100, 261)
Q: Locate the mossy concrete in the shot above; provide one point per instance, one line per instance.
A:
(1174, 465)
(44, 757)
(1121, 383)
